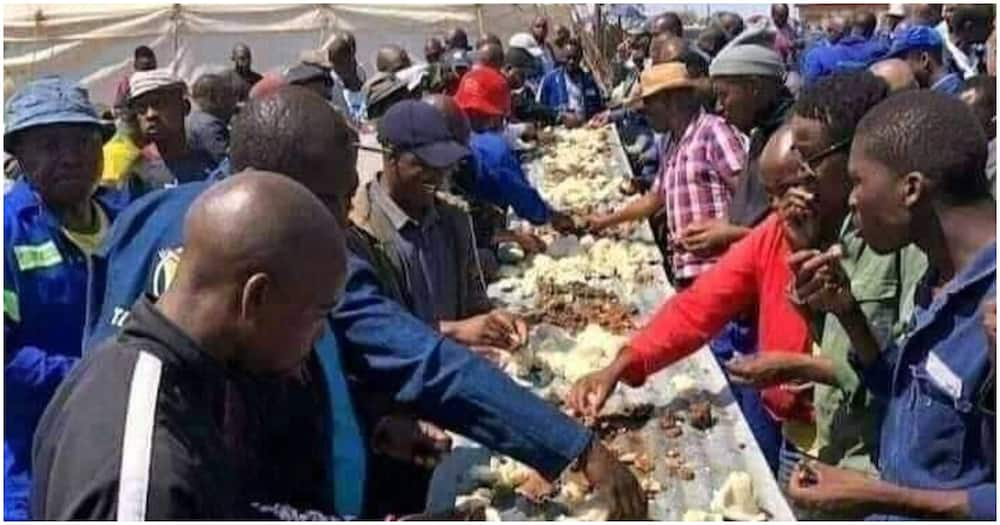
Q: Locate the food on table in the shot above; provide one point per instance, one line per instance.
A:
(736, 499)
(683, 384)
(685, 473)
(576, 305)
(536, 488)
(650, 486)
(592, 349)
(700, 414)
(594, 508)
(502, 472)
(700, 515)
(643, 463)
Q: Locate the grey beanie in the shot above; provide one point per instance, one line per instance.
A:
(747, 59)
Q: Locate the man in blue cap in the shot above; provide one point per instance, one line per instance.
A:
(54, 218)
(427, 237)
(370, 337)
(923, 49)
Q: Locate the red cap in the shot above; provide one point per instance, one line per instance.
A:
(484, 90)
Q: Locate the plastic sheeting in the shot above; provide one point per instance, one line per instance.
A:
(93, 43)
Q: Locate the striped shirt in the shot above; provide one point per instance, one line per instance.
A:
(697, 178)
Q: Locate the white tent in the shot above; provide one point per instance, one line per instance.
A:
(93, 43)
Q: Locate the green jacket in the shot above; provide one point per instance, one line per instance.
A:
(380, 235)
(847, 421)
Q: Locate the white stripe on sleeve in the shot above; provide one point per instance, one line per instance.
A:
(137, 444)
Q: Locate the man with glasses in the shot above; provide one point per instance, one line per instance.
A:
(916, 164)
(159, 101)
(815, 204)
(805, 177)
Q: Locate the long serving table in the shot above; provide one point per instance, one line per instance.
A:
(712, 454)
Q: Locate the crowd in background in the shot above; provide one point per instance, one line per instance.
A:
(264, 296)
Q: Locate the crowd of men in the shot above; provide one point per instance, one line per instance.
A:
(265, 296)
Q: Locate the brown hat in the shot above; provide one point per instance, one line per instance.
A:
(660, 77)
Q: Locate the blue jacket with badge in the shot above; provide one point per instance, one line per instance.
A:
(371, 339)
(931, 382)
(44, 299)
(554, 93)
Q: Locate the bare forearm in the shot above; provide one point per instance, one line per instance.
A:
(641, 208)
(817, 369)
(942, 504)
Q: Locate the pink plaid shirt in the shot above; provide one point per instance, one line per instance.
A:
(697, 178)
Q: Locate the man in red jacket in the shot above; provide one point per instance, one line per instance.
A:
(809, 191)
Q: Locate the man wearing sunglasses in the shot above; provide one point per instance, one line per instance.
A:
(809, 196)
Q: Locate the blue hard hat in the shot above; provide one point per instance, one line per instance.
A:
(915, 38)
(421, 129)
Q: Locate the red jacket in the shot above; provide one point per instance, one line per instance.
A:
(753, 274)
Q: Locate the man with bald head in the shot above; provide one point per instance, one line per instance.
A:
(490, 54)
(264, 263)
(929, 15)
(731, 23)
(864, 24)
(550, 53)
(433, 50)
(666, 47)
(369, 336)
(896, 73)
(391, 58)
(835, 27)
(489, 38)
(668, 24)
(243, 64)
(343, 60)
(457, 40)
(347, 76)
(809, 202)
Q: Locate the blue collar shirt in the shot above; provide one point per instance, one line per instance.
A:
(930, 382)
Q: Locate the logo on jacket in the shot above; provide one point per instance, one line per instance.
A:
(165, 270)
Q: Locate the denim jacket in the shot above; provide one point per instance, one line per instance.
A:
(930, 381)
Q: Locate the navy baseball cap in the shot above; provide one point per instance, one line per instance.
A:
(419, 128)
(915, 38)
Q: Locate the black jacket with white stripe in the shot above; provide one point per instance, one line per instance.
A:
(149, 427)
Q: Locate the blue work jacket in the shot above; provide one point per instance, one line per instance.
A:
(44, 305)
(553, 92)
(930, 381)
(375, 341)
